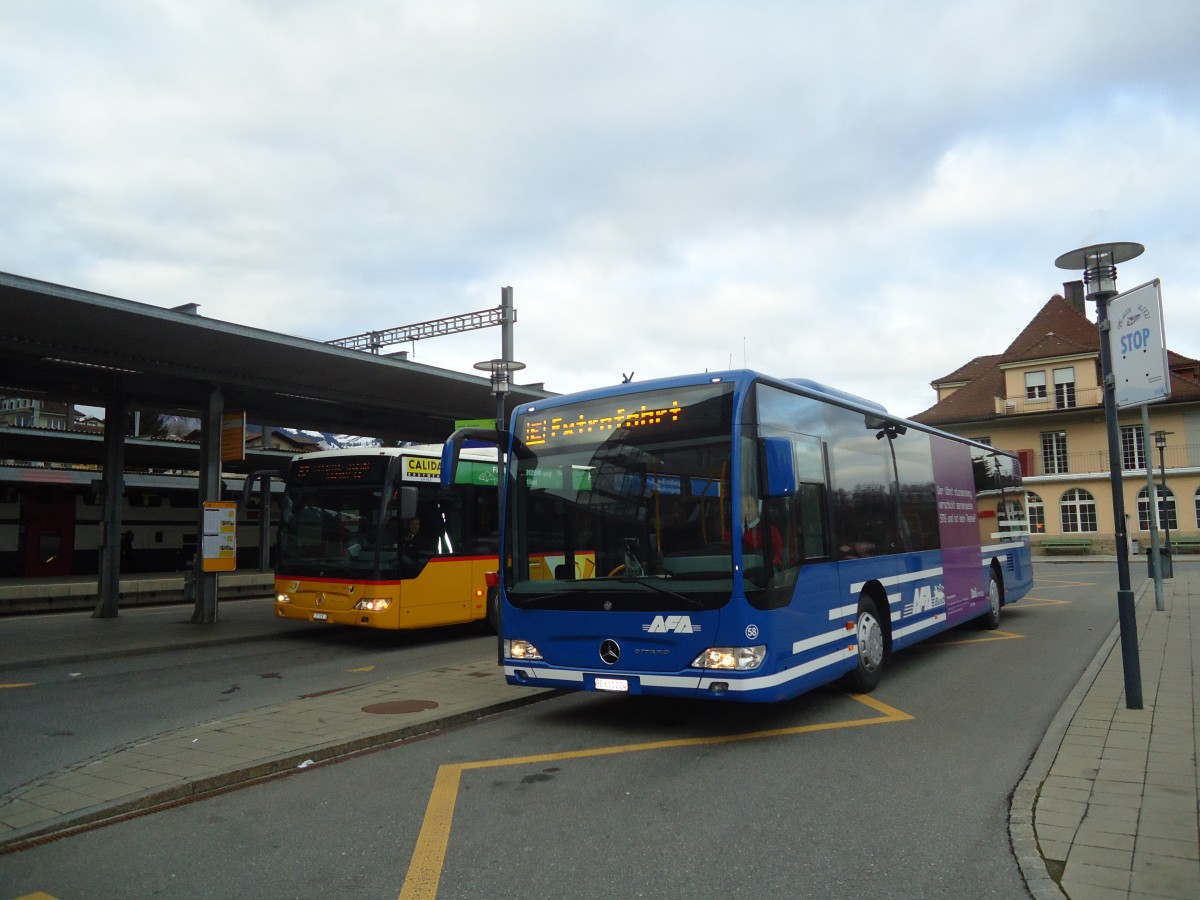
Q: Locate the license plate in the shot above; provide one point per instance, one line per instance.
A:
(320, 617)
(612, 684)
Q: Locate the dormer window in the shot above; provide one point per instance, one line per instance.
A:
(1035, 385)
(1064, 388)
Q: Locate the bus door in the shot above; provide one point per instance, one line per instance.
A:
(48, 518)
(437, 587)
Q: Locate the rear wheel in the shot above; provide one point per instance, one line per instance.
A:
(871, 649)
(991, 618)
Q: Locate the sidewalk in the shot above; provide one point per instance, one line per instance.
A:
(190, 761)
(1108, 807)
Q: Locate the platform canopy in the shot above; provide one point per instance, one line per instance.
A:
(71, 345)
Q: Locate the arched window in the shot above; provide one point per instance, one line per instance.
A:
(1166, 509)
(1037, 512)
(1078, 510)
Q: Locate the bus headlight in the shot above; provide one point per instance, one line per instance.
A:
(520, 650)
(378, 605)
(282, 598)
(741, 659)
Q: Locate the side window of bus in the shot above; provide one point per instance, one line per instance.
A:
(813, 542)
(802, 517)
(486, 534)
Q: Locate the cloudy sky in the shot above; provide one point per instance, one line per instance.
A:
(867, 193)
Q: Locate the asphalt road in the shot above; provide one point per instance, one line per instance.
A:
(904, 794)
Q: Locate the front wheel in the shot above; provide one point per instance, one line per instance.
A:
(871, 649)
(991, 618)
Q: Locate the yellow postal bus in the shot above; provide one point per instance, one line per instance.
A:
(369, 537)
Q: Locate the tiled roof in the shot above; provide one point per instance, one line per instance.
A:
(1057, 330)
(1057, 325)
(971, 370)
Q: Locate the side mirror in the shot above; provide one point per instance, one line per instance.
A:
(407, 502)
(778, 467)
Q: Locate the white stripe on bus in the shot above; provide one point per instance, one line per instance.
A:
(821, 639)
(890, 580)
(919, 626)
(766, 681)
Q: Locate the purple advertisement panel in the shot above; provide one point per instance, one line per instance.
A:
(958, 525)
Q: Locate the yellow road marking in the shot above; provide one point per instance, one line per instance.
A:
(983, 639)
(425, 869)
(1043, 601)
(19, 684)
(362, 669)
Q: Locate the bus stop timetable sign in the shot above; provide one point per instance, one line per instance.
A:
(1138, 345)
(218, 546)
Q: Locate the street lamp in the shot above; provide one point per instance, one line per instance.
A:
(500, 370)
(1160, 441)
(1099, 264)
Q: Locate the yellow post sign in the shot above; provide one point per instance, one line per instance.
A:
(218, 544)
(233, 436)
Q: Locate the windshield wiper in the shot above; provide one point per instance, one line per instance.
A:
(523, 601)
(662, 590)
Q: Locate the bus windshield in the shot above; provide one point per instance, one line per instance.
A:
(334, 532)
(624, 502)
(334, 522)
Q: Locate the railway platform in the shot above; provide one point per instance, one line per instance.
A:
(82, 592)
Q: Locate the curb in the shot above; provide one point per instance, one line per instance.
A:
(101, 814)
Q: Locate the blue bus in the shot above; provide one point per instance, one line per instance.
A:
(735, 536)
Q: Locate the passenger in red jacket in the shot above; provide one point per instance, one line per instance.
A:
(752, 532)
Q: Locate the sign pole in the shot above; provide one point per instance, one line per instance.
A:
(1099, 263)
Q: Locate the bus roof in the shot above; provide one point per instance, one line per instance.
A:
(743, 378)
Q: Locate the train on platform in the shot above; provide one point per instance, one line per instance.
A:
(51, 521)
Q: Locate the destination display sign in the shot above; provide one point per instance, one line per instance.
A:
(588, 427)
(340, 470)
(689, 410)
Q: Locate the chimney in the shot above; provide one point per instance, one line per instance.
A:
(1073, 292)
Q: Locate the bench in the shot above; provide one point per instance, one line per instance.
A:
(1067, 545)
(1185, 544)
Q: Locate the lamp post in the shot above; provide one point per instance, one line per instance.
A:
(503, 367)
(1099, 265)
(500, 370)
(1160, 441)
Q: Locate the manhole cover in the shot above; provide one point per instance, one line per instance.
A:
(398, 707)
